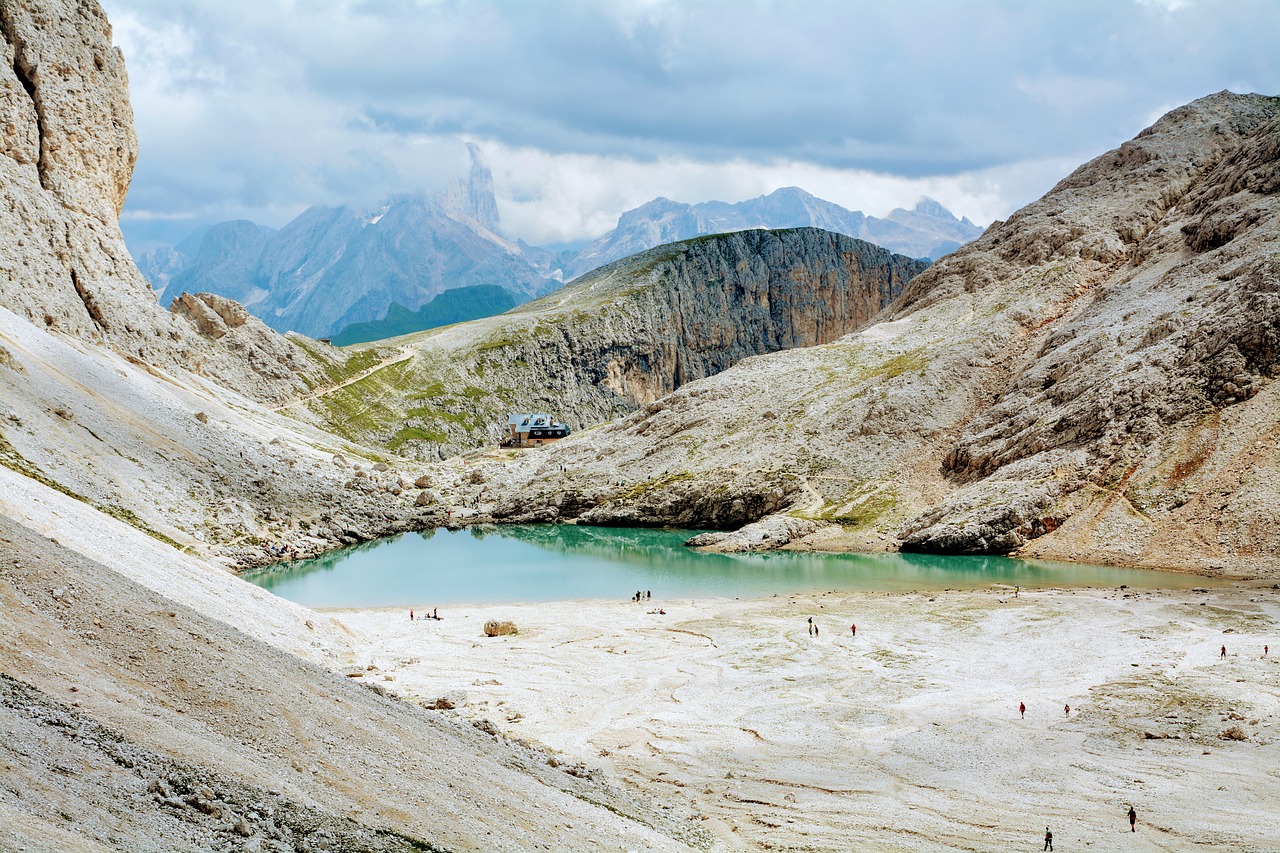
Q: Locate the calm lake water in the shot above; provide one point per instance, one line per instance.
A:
(520, 563)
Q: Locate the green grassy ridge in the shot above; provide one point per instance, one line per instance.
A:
(456, 305)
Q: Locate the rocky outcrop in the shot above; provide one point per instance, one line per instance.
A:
(69, 150)
(627, 335)
(1092, 379)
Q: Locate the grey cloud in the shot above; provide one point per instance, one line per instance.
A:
(913, 89)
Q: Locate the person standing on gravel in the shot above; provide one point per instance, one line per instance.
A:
(1048, 839)
(810, 626)
(1133, 819)
(1224, 652)
(1022, 709)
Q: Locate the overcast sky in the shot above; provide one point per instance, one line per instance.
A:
(257, 109)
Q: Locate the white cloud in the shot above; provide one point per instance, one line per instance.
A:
(548, 198)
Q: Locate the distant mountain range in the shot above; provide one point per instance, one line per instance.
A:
(378, 271)
(929, 231)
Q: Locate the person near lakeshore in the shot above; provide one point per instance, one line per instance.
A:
(854, 629)
(815, 630)
(810, 626)
(435, 613)
(1022, 709)
(1048, 839)
(410, 615)
(1224, 652)
(1133, 819)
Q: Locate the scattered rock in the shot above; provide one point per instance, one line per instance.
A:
(496, 628)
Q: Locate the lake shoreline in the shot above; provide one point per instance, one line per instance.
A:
(550, 563)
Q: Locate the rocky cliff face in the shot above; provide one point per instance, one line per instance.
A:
(1093, 379)
(69, 149)
(623, 337)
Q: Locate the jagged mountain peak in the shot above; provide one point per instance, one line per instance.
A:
(928, 231)
(471, 198)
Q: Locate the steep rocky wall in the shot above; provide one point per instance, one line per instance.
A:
(68, 149)
(624, 336)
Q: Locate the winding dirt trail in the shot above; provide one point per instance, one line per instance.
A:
(403, 354)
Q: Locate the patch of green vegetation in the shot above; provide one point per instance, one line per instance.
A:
(435, 389)
(863, 507)
(636, 491)
(473, 393)
(497, 343)
(335, 369)
(453, 306)
(410, 433)
(15, 461)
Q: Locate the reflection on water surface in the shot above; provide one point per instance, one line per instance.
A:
(547, 562)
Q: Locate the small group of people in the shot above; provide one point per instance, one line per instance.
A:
(1266, 650)
(642, 596)
(434, 614)
(813, 627)
(290, 551)
(1133, 827)
(1022, 710)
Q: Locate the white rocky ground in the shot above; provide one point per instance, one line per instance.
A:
(906, 737)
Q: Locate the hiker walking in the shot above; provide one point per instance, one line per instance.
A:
(410, 615)
(1224, 652)
(1048, 839)
(854, 629)
(810, 626)
(1066, 709)
(1022, 709)
(1133, 819)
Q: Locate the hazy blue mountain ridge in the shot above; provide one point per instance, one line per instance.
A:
(927, 231)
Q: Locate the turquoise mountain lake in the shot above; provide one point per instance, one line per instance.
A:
(524, 563)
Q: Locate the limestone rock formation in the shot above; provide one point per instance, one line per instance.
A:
(70, 149)
(623, 337)
(1092, 379)
(499, 628)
